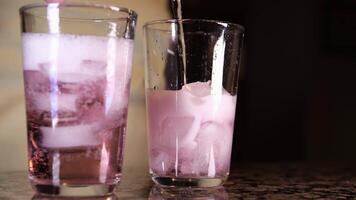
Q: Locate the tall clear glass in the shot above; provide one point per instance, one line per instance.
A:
(191, 87)
(77, 68)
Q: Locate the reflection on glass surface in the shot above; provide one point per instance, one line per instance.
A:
(216, 193)
(40, 197)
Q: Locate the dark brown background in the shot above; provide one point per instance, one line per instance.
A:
(297, 86)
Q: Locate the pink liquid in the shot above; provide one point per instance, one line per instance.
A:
(76, 103)
(190, 131)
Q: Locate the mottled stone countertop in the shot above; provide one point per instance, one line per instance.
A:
(247, 181)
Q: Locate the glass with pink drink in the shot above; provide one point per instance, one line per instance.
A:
(77, 69)
(191, 91)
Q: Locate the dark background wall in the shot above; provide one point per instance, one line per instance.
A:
(297, 97)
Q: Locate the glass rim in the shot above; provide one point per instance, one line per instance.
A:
(131, 13)
(170, 21)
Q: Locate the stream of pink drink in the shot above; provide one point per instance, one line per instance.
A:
(190, 131)
(77, 90)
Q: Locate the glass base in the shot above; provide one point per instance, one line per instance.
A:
(189, 182)
(75, 190)
(158, 192)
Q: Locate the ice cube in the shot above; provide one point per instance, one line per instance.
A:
(175, 137)
(93, 68)
(218, 107)
(88, 70)
(226, 111)
(179, 132)
(176, 141)
(54, 101)
(198, 89)
(214, 143)
(163, 103)
(197, 98)
(70, 136)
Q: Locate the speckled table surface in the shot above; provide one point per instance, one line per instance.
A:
(247, 181)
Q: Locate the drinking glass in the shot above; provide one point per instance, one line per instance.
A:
(77, 68)
(191, 88)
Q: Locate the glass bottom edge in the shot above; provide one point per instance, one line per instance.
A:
(95, 190)
(188, 182)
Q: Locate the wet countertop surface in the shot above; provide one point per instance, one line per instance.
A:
(247, 181)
